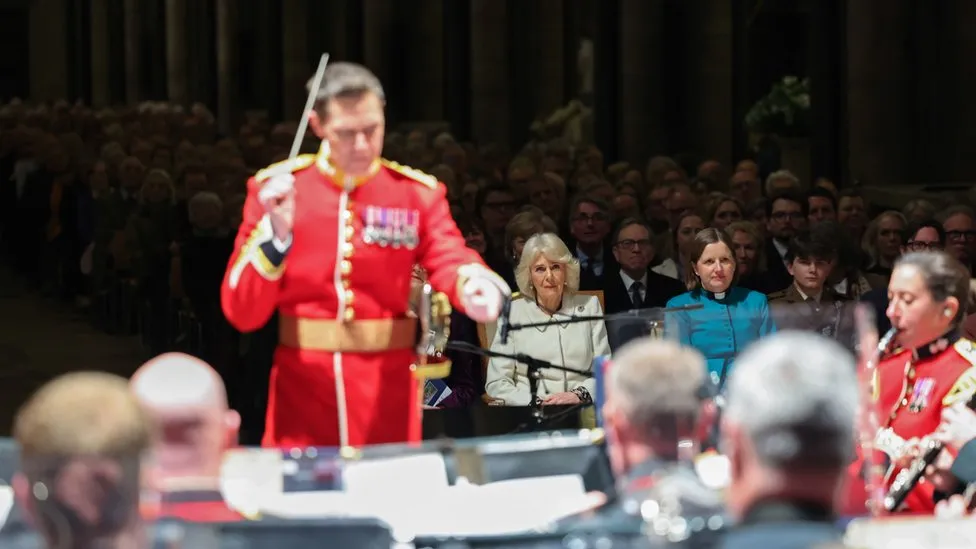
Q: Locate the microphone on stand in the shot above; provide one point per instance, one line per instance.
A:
(503, 319)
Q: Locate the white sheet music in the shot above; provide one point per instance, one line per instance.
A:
(6, 503)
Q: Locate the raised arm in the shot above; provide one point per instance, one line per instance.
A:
(249, 293)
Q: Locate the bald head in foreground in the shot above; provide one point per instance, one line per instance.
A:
(187, 400)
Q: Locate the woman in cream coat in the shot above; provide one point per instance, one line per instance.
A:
(548, 278)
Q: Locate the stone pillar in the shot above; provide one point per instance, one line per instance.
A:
(877, 90)
(955, 97)
(176, 52)
(546, 56)
(641, 95)
(133, 51)
(227, 65)
(48, 51)
(295, 62)
(101, 54)
(378, 48)
(424, 61)
(708, 83)
(489, 72)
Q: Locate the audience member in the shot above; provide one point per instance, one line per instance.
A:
(787, 431)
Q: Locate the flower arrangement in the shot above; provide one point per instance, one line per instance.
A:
(784, 111)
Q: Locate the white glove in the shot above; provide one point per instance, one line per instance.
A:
(483, 294)
(277, 197)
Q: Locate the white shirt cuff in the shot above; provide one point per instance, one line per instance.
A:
(281, 246)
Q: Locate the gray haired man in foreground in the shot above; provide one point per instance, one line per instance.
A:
(788, 431)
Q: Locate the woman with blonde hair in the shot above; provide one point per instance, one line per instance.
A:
(548, 278)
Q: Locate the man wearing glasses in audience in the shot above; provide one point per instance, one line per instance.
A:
(920, 236)
(589, 228)
(786, 214)
(960, 231)
(634, 286)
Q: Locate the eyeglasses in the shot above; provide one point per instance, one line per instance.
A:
(921, 246)
(629, 243)
(961, 235)
(783, 216)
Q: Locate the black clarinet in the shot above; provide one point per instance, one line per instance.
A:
(906, 479)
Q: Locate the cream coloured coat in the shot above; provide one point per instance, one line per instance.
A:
(571, 345)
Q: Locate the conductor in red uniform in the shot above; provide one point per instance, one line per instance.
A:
(330, 241)
(932, 370)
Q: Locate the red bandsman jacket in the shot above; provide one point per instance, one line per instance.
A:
(341, 373)
(911, 390)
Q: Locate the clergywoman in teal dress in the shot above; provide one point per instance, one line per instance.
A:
(730, 317)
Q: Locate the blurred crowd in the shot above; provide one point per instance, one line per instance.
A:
(129, 215)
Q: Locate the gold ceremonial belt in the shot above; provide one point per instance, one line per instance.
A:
(358, 336)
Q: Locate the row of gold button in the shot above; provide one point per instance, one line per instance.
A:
(345, 267)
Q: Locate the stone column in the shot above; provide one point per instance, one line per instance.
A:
(378, 48)
(227, 65)
(101, 55)
(424, 61)
(546, 55)
(489, 72)
(951, 136)
(48, 51)
(176, 52)
(708, 83)
(877, 90)
(133, 50)
(641, 95)
(295, 62)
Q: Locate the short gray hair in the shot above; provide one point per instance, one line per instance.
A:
(782, 175)
(653, 380)
(553, 248)
(344, 79)
(795, 395)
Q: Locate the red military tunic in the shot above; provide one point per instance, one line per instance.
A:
(342, 371)
(911, 391)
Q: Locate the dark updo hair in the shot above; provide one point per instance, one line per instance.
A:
(697, 247)
(944, 277)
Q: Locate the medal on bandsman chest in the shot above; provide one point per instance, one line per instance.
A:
(393, 227)
(921, 394)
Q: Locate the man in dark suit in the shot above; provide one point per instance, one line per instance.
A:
(589, 227)
(634, 286)
(786, 214)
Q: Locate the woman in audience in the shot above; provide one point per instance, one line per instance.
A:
(689, 224)
(728, 317)
(548, 277)
(723, 210)
(517, 232)
(750, 256)
(882, 244)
